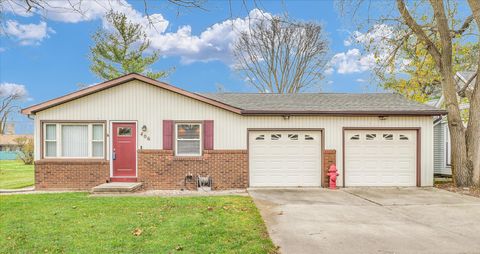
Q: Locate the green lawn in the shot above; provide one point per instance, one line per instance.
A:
(77, 223)
(15, 174)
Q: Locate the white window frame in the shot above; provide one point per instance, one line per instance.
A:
(45, 140)
(200, 138)
(58, 136)
(448, 146)
(92, 141)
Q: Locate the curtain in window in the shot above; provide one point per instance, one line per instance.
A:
(74, 141)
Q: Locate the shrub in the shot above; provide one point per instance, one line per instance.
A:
(26, 150)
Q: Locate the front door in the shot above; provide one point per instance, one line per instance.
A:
(124, 149)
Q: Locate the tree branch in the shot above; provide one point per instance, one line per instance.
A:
(412, 24)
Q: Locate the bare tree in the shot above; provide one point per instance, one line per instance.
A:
(9, 95)
(278, 55)
(436, 32)
(77, 6)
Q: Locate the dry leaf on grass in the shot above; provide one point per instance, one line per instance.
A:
(137, 232)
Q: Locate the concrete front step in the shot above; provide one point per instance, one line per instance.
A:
(117, 187)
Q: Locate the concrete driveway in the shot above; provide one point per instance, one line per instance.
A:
(370, 220)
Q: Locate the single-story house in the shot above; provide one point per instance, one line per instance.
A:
(442, 146)
(133, 128)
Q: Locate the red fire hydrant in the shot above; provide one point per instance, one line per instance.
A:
(332, 173)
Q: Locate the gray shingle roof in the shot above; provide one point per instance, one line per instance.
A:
(325, 103)
(467, 75)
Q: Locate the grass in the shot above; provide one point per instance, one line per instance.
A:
(77, 223)
(15, 174)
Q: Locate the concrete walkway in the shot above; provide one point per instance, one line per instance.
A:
(25, 189)
(370, 220)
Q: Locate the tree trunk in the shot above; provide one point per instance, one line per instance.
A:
(473, 131)
(461, 167)
(464, 142)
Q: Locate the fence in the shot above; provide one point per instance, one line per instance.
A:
(10, 155)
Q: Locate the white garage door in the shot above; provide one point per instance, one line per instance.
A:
(285, 158)
(380, 158)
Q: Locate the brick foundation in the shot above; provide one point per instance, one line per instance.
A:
(70, 174)
(329, 158)
(159, 169)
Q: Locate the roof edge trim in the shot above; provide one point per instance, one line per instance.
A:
(118, 81)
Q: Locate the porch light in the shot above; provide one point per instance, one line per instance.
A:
(144, 128)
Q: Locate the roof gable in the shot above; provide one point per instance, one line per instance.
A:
(119, 81)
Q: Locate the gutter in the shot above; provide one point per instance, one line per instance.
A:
(345, 113)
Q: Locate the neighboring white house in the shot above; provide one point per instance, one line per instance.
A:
(137, 129)
(442, 146)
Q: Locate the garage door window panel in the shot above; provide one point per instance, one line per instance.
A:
(260, 137)
(276, 136)
(355, 137)
(293, 136)
(388, 136)
(308, 137)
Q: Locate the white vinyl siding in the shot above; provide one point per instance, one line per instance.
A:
(440, 150)
(151, 105)
(73, 140)
(448, 160)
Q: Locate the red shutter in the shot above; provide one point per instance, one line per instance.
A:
(208, 134)
(167, 134)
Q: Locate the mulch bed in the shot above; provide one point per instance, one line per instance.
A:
(471, 191)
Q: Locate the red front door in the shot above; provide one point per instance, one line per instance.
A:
(124, 149)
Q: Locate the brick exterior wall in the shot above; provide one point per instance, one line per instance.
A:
(159, 169)
(70, 174)
(329, 158)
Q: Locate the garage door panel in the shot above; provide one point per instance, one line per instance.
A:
(285, 158)
(387, 159)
